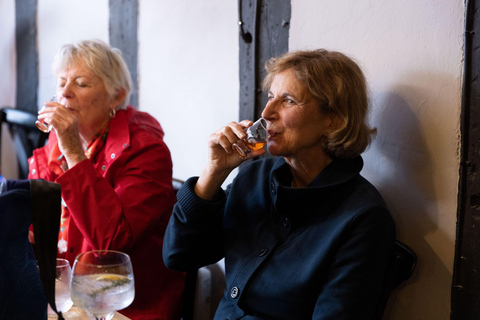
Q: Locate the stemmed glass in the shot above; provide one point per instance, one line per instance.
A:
(257, 136)
(102, 283)
(41, 124)
(62, 291)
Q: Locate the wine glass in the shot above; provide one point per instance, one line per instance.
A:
(41, 124)
(102, 282)
(63, 274)
(257, 136)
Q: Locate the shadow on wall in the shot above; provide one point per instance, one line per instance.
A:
(400, 166)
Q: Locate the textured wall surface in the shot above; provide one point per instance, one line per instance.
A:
(188, 69)
(8, 81)
(411, 52)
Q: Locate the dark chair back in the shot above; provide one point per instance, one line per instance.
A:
(24, 287)
(401, 268)
(177, 184)
(25, 135)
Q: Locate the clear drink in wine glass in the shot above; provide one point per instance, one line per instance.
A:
(63, 274)
(257, 136)
(102, 283)
(41, 124)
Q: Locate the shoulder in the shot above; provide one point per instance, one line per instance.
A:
(135, 132)
(142, 123)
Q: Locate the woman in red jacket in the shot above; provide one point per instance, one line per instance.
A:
(115, 171)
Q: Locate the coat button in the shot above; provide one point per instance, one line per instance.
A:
(234, 292)
(112, 156)
(34, 171)
(273, 188)
(104, 167)
(263, 252)
(124, 145)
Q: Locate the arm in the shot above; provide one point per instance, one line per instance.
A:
(222, 159)
(114, 212)
(356, 276)
(194, 234)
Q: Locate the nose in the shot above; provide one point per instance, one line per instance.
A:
(270, 110)
(66, 91)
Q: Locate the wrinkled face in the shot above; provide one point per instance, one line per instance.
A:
(84, 93)
(295, 125)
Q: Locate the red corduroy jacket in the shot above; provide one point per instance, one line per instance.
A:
(122, 200)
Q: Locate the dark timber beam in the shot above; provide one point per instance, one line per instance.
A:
(27, 56)
(466, 273)
(123, 26)
(268, 23)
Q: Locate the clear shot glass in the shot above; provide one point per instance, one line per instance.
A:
(257, 136)
(41, 124)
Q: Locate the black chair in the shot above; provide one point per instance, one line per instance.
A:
(25, 135)
(177, 184)
(24, 287)
(402, 265)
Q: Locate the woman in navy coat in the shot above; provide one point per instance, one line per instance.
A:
(303, 234)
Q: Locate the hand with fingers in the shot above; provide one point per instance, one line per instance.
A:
(223, 158)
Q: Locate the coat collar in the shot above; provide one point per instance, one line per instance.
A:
(118, 135)
(287, 200)
(337, 172)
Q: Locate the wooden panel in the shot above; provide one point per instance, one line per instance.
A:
(466, 278)
(123, 26)
(27, 56)
(268, 22)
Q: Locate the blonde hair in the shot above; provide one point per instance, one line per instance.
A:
(106, 62)
(338, 85)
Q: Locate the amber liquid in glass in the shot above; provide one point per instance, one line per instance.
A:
(243, 147)
(255, 145)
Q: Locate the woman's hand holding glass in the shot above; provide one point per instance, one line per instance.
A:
(223, 158)
(55, 115)
(228, 145)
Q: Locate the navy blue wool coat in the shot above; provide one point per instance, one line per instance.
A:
(319, 252)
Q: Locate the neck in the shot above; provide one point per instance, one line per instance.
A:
(305, 170)
(88, 134)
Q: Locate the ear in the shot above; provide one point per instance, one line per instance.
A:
(121, 94)
(335, 121)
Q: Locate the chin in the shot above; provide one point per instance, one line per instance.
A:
(273, 151)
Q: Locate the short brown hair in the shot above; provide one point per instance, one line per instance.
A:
(338, 85)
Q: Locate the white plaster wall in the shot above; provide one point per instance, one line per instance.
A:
(61, 22)
(411, 52)
(188, 71)
(8, 81)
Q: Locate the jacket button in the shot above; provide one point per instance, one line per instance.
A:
(34, 171)
(234, 292)
(104, 167)
(112, 156)
(273, 188)
(263, 252)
